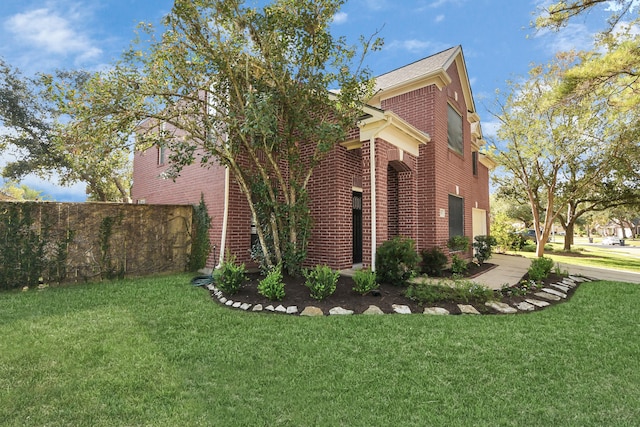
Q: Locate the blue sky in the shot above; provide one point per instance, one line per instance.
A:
(496, 37)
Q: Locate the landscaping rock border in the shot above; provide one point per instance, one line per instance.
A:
(555, 292)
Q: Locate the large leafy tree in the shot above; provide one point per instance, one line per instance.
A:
(562, 154)
(92, 134)
(249, 88)
(45, 126)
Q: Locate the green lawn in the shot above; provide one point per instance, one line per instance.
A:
(618, 258)
(159, 352)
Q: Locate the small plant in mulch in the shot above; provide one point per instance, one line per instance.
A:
(321, 281)
(364, 281)
(230, 276)
(272, 286)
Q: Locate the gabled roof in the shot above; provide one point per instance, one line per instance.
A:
(424, 72)
(426, 66)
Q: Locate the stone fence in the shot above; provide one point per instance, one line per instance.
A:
(74, 242)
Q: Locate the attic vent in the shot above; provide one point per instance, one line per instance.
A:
(455, 95)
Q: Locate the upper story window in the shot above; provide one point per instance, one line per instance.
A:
(474, 162)
(454, 130)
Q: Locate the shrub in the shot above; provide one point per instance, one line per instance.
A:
(458, 265)
(540, 268)
(433, 262)
(230, 276)
(201, 244)
(458, 243)
(483, 246)
(272, 286)
(396, 261)
(460, 291)
(321, 281)
(520, 289)
(365, 281)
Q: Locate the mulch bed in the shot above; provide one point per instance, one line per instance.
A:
(297, 294)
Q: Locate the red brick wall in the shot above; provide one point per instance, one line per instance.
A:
(441, 171)
(330, 194)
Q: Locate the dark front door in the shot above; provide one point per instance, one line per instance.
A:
(357, 227)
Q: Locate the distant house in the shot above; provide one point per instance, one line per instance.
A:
(411, 167)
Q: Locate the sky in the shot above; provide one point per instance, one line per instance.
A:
(496, 36)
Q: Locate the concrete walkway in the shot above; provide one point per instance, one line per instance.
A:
(511, 268)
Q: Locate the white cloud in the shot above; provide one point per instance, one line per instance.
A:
(340, 18)
(48, 30)
(572, 37)
(439, 18)
(439, 3)
(490, 128)
(376, 4)
(412, 45)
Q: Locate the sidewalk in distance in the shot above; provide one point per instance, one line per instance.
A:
(511, 268)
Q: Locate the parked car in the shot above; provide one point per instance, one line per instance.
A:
(611, 240)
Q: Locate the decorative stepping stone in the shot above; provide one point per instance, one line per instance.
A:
(562, 288)
(547, 296)
(401, 309)
(245, 306)
(281, 309)
(373, 309)
(218, 294)
(525, 306)
(467, 309)
(269, 308)
(223, 300)
(579, 279)
(501, 307)
(210, 287)
(537, 302)
(554, 292)
(229, 303)
(340, 311)
(292, 309)
(311, 311)
(236, 304)
(436, 311)
(569, 282)
(257, 307)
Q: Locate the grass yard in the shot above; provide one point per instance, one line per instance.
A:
(618, 258)
(159, 352)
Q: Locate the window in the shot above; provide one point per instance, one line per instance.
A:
(454, 129)
(161, 144)
(456, 216)
(161, 154)
(474, 162)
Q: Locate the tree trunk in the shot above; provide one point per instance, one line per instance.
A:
(568, 237)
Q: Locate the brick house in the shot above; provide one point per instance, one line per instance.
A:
(411, 167)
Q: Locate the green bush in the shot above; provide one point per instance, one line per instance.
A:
(272, 286)
(365, 281)
(540, 268)
(433, 261)
(230, 276)
(396, 261)
(200, 242)
(458, 265)
(483, 246)
(458, 243)
(462, 291)
(321, 281)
